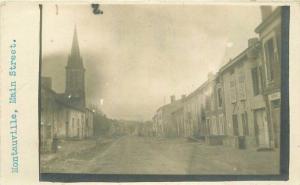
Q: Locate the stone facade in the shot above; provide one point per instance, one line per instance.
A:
(270, 35)
(241, 98)
(61, 120)
(197, 108)
(163, 122)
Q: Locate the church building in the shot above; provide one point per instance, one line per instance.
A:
(65, 115)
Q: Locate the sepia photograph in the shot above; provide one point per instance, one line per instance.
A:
(161, 89)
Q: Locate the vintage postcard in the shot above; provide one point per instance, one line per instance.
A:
(121, 93)
(154, 92)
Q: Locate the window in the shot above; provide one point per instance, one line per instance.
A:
(235, 125)
(212, 101)
(245, 124)
(207, 127)
(255, 81)
(214, 129)
(221, 124)
(242, 87)
(270, 58)
(189, 117)
(207, 103)
(232, 91)
(220, 101)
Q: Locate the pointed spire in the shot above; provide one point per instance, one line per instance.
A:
(75, 58)
(75, 46)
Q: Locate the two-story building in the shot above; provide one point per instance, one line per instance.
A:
(269, 31)
(243, 97)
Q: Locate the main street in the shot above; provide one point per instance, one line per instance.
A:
(146, 155)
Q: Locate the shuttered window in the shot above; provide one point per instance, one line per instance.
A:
(270, 58)
(235, 125)
(221, 124)
(242, 87)
(214, 126)
(220, 100)
(245, 124)
(232, 91)
(255, 81)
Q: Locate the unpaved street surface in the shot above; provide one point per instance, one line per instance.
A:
(145, 155)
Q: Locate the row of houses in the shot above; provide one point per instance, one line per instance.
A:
(60, 119)
(239, 106)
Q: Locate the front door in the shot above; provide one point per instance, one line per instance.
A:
(262, 128)
(275, 116)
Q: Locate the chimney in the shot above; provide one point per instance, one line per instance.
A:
(252, 41)
(265, 12)
(252, 52)
(47, 82)
(172, 98)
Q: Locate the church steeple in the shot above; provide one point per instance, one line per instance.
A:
(75, 60)
(75, 88)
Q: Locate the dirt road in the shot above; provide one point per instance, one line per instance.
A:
(142, 155)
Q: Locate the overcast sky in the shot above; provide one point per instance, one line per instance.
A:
(136, 56)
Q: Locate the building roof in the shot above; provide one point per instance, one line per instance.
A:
(268, 20)
(233, 61)
(62, 99)
(65, 100)
(238, 58)
(199, 89)
(176, 103)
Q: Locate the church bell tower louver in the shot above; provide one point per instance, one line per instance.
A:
(75, 81)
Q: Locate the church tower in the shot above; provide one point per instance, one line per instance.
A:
(75, 84)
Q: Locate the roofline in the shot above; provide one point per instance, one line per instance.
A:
(165, 105)
(234, 60)
(238, 58)
(48, 89)
(193, 93)
(60, 101)
(268, 20)
(70, 106)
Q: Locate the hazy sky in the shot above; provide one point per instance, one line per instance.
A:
(136, 56)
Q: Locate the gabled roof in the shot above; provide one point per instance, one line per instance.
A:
(198, 90)
(238, 58)
(268, 20)
(64, 100)
(235, 60)
(169, 106)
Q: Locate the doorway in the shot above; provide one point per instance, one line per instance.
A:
(67, 129)
(262, 128)
(275, 117)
